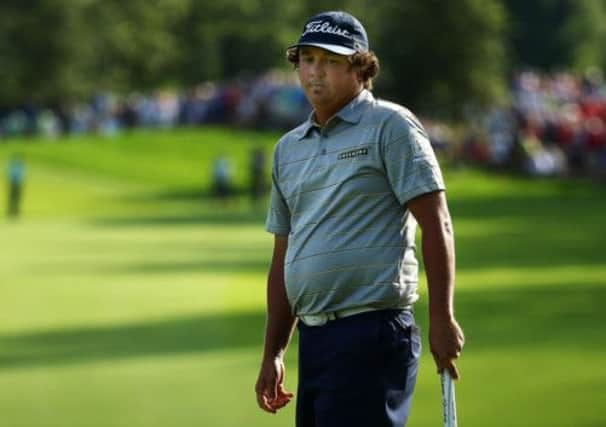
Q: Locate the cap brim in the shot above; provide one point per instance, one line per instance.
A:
(339, 50)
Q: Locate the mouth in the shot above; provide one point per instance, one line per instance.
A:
(315, 86)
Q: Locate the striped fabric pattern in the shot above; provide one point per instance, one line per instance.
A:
(340, 195)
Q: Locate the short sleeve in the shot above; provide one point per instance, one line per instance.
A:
(278, 214)
(410, 162)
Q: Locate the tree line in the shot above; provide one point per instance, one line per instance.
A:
(435, 55)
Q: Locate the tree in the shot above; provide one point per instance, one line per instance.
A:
(233, 38)
(437, 53)
(536, 36)
(40, 54)
(132, 44)
(53, 50)
(585, 34)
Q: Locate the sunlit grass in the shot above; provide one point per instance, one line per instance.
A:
(129, 298)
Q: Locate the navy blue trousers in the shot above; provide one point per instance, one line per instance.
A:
(359, 371)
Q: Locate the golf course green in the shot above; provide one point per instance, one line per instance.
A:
(130, 298)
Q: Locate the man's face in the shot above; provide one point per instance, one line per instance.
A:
(328, 80)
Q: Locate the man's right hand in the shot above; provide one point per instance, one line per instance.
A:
(271, 394)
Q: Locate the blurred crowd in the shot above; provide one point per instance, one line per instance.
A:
(555, 125)
(273, 100)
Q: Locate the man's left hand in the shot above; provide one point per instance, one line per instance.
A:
(446, 342)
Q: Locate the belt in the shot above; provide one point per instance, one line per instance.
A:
(323, 318)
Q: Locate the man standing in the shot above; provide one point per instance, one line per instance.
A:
(348, 188)
(15, 175)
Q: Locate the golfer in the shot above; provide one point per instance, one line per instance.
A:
(349, 186)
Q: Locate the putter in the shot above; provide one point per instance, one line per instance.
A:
(449, 406)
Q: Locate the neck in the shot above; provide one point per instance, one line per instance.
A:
(323, 114)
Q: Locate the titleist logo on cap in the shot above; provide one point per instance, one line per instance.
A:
(324, 27)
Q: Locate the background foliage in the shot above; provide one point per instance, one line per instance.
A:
(433, 53)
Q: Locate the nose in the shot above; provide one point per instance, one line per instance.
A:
(317, 69)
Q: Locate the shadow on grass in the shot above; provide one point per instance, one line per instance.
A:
(530, 232)
(204, 196)
(214, 266)
(221, 215)
(568, 209)
(558, 317)
(177, 195)
(537, 245)
(193, 206)
(208, 259)
(538, 249)
(173, 336)
(513, 321)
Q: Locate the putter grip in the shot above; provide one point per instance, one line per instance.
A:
(449, 407)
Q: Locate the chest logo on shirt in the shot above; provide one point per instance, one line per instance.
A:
(353, 153)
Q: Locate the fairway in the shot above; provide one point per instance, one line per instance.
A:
(129, 298)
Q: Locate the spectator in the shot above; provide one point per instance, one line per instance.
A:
(557, 123)
(16, 177)
(222, 178)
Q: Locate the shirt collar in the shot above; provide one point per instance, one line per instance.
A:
(351, 113)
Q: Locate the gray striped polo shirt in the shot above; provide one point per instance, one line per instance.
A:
(340, 195)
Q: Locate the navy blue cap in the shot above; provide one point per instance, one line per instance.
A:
(335, 31)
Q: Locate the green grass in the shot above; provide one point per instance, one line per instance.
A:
(128, 298)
